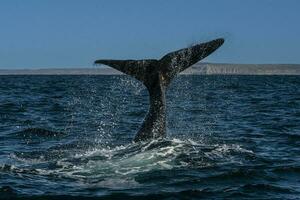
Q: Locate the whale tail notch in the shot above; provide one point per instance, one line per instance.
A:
(156, 75)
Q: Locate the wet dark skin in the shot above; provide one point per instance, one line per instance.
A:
(156, 75)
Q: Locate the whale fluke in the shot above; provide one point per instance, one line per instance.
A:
(156, 75)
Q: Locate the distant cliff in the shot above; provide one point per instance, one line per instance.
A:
(199, 68)
(244, 69)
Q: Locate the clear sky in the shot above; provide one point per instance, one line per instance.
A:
(73, 33)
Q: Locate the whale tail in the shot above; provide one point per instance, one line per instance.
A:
(169, 65)
(156, 75)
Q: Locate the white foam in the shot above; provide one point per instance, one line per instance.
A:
(124, 162)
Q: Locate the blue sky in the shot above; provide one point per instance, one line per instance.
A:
(73, 33)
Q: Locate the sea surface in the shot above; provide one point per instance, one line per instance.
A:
(229, 137)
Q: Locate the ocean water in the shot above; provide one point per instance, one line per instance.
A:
(229, 137)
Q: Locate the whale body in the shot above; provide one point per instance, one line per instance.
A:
(156, 75)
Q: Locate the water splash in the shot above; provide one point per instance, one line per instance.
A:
(113, 166)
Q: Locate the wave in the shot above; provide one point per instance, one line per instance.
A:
(6, 192)
(243, 192)
(17, 170)
(106, 165)
(12, 107)
(266, 188)
(37, 132)
(287, 169)
(135, 166)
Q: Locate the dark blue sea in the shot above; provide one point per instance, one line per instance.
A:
(70, 137)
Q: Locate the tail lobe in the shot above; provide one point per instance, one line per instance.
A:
(136, 68)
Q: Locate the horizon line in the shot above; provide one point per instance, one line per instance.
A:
(97, 66)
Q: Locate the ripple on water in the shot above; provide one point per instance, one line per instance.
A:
(67, 136)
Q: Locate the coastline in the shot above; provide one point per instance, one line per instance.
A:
(197, 69)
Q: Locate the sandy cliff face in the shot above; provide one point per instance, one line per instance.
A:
(245, 69)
